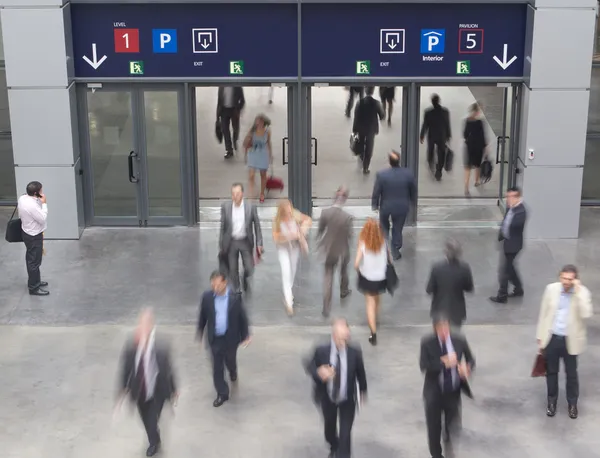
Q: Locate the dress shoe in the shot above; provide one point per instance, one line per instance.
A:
(373, 339)
(397, 256)
(220, 401)
(551, 409)
(516, 293)
(233, 377)
(228, 154)
(498, 299)
(345, 294)
(39, 292)
(153, 450)
(573, 413)
(43, 284)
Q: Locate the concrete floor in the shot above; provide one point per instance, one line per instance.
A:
(59, 354)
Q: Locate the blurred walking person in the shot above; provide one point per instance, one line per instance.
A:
(353, 92)
(475, 144)
(223, 317)
(338, 371)
(387, 95)
(372, 257)
(258, 153)
(394, 191)
(33, 212)
(334, 235)
(436, 125)
(367, 114)
(449, 280)
(230, 103)
(290, 229)
(147, 377)
(239, 233)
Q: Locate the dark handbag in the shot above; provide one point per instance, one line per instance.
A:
(486, 170)
(218, 131)
(449, 161)
(391, 279)
(539, 366)
(14, 232)
(354, 144)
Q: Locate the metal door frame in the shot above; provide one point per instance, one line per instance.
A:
(136, 92)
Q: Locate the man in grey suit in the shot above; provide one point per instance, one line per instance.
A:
(393, 193)
(240, 232)
(334, 235)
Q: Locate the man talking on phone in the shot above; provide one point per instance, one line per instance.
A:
(33, 212)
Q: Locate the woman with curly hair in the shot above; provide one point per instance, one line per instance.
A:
(371, 262)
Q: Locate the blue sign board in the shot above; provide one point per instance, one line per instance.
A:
(185, 40)
(413, 40)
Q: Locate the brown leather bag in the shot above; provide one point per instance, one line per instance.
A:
(539, 366)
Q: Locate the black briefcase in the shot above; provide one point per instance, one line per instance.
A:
(14, 233)
(449, 162)
(218, 131)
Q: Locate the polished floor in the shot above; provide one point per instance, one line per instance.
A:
(59, 353)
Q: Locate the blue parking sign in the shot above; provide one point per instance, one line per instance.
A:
(164, 40)
(433, 41)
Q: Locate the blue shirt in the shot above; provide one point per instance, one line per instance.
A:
(454, 370)
(221, 309)
(561, 319)
(506, 224)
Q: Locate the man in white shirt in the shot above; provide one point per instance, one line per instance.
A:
(561, 333)
(240, 233)
(33, 212)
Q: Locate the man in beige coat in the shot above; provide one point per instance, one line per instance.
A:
(561, 333)
(334, 235)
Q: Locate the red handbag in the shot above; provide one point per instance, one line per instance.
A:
(274, 183)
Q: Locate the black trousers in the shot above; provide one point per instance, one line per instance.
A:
(367, 143)
(34, 245)
(353, 91)
(150, 413)
(236, 249)
(508, 274)
(554, 351)
(340, 443)
(397, 225)
(223, 356)
(440, 146)
(230, 116)
(449, 405)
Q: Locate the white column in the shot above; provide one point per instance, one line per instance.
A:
(43, 108)
(554, 116)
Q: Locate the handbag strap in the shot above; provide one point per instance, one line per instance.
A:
(13, 213)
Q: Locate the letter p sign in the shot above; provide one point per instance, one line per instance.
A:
(433, 41)
(164, 41)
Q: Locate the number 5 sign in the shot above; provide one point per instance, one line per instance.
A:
(127, 40)
(470, 41)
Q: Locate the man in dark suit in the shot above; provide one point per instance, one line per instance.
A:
(367, 114)
(147, 377)
(511, 238)
(240, 231)
(222, 314)
(340, 382)
(447, 361)
(436, 125)
(394, 190)
(334, 235)
(448, 281)
(230, 103)
(353, 92)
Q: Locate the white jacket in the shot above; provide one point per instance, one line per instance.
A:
(580, 310)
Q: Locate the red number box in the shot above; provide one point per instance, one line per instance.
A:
(127, 40)
(470, 41)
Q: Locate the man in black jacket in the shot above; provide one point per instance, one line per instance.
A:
(147, 377)
(230, 103)
(447, 361)
(367, 115)
(337, 368)
(436, 124)
(511, 238)
(222, 314)
(449, 280)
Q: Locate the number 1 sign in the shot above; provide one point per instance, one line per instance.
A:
(127, 40)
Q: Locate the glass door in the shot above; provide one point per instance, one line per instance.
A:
(133, 155)
(507, 144)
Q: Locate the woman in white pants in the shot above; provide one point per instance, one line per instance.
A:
(289, 232)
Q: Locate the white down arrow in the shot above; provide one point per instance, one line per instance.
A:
(94, 62)
(504, 63)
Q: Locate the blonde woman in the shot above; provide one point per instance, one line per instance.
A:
(289, 233)
(371, 262)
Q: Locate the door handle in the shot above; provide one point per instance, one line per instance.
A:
(132, 177)
(498, 143)
(316, 149)
(284, 142)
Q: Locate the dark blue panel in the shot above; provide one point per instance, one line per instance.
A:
(335, 37)
(264, 37)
